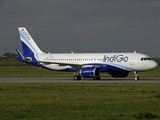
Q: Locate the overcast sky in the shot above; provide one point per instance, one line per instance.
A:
(82, 25)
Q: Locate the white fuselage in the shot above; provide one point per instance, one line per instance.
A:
(125, 61)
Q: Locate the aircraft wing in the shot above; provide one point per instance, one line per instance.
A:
(74, 65)
(60, 63)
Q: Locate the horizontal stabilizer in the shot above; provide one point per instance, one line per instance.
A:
(20, 55)
(25, 59)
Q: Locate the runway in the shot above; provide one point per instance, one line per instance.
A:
(70, 80)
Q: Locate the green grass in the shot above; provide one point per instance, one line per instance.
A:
(79, 101)
(36, 72)
(12, 62)
(158, 61)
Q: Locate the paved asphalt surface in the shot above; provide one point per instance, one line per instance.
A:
(70, 80)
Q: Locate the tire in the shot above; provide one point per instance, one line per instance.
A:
(97, 78)
(77, 77)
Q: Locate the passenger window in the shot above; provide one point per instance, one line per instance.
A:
(145, 58)
(141, 58)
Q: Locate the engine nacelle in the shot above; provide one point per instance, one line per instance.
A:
(90, 72)
(119, 74)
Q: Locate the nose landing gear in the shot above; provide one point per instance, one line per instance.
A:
(136, 75)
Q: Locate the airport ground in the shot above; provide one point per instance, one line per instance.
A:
(31, 93)
(79, 101)
(104, 80)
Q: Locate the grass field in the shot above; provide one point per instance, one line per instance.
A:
(75, 101)
(79, 101)
(36, 72)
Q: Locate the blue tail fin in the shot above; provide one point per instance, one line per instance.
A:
(30, 48)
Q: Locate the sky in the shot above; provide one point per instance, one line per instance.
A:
(95, 26)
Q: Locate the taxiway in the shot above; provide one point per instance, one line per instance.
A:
(70, 80)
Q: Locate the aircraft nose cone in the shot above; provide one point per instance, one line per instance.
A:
(154, 65)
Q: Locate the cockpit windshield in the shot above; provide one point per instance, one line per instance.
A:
(142, 59)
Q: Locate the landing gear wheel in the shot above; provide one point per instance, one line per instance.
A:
(97, 78)
(136, 75)
(77, 77)
(136, 78)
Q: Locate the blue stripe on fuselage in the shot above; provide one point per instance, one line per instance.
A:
(121, 66)
(112, 67)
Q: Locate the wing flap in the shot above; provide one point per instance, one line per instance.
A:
(60, 63)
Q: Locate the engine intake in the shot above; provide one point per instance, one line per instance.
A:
(90, 72)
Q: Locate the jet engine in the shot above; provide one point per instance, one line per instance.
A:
(90, 72)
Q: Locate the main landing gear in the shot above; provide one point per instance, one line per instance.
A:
(97, 78)
(136, 75)
(77, 77)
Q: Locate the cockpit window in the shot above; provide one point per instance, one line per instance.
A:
(145, 59)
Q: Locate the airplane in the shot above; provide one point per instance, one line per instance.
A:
(87, 65)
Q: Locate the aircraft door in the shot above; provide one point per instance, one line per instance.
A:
(132, 59)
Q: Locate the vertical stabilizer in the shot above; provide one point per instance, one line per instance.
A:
(30, 48)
